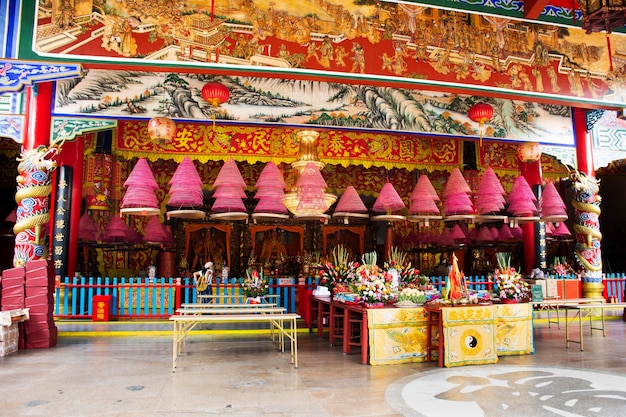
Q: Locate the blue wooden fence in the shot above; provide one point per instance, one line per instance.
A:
(149, 298)
(160, 297)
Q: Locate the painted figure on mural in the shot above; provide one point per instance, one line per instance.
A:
(413, 28)
(326, 52)
(199, 250)
(66, 14)
(358, 59)
(272, 248)
(215, 249)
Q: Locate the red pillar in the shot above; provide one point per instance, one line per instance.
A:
(584, 150)
(38, 112)
(531, 171)
(388, 241)
(72, 155)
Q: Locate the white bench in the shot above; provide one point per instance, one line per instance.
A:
(285, 323)
(586, 310)
(237, 305)
(555, 304)
(215, 297)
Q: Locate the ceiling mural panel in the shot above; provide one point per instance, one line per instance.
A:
(380, 42)
(141, 94)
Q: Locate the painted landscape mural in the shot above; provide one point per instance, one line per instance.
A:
(307, 103)
(391, 42)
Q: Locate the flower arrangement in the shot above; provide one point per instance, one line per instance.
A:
(561, 268)
(509, 284)
(406, 273)
(340, 273)
(374, 285)
(254, 284)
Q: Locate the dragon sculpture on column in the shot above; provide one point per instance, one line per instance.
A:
(586, 203)
(34, 184)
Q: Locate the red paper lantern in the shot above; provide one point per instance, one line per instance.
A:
(215, 93)
(480, 113)
(161, 130)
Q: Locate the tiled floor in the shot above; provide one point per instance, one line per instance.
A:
(124, 369)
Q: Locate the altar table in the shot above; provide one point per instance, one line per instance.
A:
(393, 335)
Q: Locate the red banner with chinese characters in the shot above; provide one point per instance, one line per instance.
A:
(502, 157)
(262, 144)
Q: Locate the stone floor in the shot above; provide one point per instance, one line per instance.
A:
(125, 369)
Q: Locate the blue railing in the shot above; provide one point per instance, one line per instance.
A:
(149, 298)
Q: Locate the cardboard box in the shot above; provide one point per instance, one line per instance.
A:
(9, 339)
(552, 288)
(568, 288)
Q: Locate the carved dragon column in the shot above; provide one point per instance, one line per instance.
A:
(586, 203)
(34, 182)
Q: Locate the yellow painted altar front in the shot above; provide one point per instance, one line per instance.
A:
(472, 335)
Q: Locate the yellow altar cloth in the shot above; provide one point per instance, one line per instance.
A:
(514, 329)
(397, 335)
(469, 335)
(473, 335)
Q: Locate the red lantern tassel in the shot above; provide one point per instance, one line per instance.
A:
(608, 45)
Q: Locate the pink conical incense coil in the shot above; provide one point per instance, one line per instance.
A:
(490, 194)
(140, 187)
(551, 204)
(229, 189)
(229, 174)
(454, 204)
(456, 184)
(270, 176)
(228, 204)
(388, 200)
(505, 234)
(424, 188)
(423, 198)
(133, 236)
(456, 200)
(484, 235)
(116, 231)
(185, 186)
(521, 199)
(155, 232)
(350, 202)
(87, 229)
(518, 233)
(446, 239)
(270, 191)
(457, 233)
(270, 205)
(561, 230)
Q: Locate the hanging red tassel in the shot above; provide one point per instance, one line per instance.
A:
(608, 45)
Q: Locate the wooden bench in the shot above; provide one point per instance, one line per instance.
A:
(555, 304)
(586, 310)
(284, 323)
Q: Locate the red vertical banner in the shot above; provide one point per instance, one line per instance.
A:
(99, 196)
